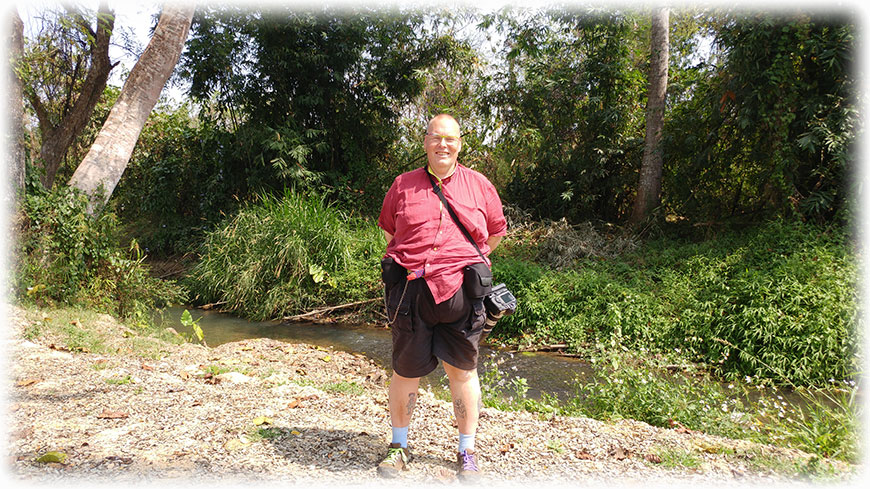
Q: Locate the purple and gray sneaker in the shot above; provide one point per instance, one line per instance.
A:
(468, 469)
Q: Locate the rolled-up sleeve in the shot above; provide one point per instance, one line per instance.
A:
(496, 224)
(387, 219)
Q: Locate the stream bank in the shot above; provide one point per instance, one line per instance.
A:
(267, 410)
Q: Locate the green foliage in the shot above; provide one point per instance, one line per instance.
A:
(312, 95)
(761, 115)
(826, 423)
(288, 255)
(776, 301)
(184, 175)
(760, 120)
(569, 96)
(188, 322)
(64, 256)
(772, 130)
(637, 385)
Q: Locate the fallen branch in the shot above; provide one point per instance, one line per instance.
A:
(214, 304)
(328, 309)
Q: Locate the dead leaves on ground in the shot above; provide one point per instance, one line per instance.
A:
(108, 414)
(619, 454)
(652, 458)
(583, 455)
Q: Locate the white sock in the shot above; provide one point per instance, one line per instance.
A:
(400, 436)
(466, 442)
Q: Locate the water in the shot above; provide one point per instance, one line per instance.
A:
(544, 372)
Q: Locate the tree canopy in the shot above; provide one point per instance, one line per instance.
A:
(760, 118)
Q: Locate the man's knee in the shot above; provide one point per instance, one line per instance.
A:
(455, 374)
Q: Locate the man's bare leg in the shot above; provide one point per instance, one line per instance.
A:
(402, 399)
(465, 391)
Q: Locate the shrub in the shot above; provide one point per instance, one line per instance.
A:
(285, 255)
(65, 256)
(776, 301)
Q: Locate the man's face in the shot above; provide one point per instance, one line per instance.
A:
(442, 145)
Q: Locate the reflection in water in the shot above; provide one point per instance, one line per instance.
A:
(544, 372)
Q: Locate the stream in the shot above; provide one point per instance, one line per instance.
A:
(543, 371)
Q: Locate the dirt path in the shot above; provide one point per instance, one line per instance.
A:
(293, 413)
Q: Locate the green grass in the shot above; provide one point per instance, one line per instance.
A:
(344, 387)
(282, 256)
(120, 381)
(629, 386)
(673, 458)
(86, 331)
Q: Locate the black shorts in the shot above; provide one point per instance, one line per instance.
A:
(424, 331)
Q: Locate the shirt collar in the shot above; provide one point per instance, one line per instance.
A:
(442, 180)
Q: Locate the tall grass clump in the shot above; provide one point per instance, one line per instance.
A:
(776, 301)
(288, 254)
(66, 257)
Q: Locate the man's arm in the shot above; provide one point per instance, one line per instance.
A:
(493, 241)
(388, 236)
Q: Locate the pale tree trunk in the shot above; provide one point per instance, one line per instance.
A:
(56, 139)
(100, 171)
(15, 107)
(649, 188)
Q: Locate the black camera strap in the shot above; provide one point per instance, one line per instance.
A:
(452, 213)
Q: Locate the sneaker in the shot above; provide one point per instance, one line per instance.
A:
(468, 470)
(396, 461)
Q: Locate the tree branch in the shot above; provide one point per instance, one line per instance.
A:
(328, 309)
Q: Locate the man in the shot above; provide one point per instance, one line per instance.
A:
(431, 315)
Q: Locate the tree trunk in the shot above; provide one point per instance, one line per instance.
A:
(649, 186)
(99, 172)
(56, 139)
(15, 133)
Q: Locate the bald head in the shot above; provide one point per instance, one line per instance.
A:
(444, 121)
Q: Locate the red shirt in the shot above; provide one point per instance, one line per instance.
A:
(425, 236)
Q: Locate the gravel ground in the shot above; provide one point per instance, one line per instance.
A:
(269, 412)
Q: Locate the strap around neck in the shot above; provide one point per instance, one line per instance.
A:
(452, 213)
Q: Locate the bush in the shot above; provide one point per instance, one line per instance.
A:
(775, 301)
(287, 255)
(64, 256)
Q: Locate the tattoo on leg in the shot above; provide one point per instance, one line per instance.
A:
(459, 409)
(412, 401)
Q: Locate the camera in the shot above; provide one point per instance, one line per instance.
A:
(498, 303)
